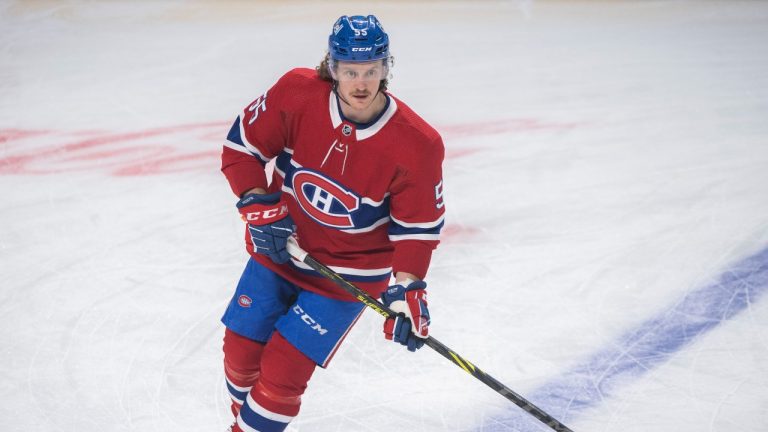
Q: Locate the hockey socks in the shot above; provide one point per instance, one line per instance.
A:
(242, 365)
(274, 400)
(265, 411)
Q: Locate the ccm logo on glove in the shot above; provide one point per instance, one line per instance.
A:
(267, 215)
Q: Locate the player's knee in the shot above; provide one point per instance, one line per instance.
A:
(242, 357)
(240, 375)
(285, 371)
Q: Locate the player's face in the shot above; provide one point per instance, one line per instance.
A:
(359, 82)
(369, 71)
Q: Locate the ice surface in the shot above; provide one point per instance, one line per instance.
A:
(606, 183)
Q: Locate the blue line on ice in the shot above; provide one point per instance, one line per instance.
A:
(643, 348)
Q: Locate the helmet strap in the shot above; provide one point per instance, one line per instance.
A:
(336, 90)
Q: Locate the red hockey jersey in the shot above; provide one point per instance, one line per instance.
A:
(367, 200)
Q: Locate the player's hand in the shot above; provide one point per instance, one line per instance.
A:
(269, 224)
(411, 325)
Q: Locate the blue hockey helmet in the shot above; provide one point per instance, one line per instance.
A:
(358, 39)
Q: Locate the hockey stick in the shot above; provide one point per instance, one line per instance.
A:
(300, 254)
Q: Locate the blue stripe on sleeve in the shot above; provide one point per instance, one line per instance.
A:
(234, 133)
(396, 229)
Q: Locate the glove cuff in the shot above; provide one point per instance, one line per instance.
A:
(268, 199)
(397, 291)
(413, 284)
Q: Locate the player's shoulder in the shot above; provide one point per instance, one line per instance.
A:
(406, 119)
(302, 79)
(298, 89)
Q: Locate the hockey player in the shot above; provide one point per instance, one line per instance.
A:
(357, 179)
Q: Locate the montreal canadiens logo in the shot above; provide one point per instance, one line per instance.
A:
(244, 301)
(324, 200)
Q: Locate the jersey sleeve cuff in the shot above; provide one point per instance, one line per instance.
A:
(413, 257)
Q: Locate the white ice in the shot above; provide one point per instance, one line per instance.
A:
(604, 159)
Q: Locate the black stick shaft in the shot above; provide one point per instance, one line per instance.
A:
(433, 343)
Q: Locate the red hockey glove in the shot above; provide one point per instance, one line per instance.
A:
(269, 224)
(411, 325)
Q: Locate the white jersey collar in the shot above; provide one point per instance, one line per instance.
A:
(361, 134)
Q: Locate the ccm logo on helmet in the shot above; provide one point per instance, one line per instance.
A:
(324, 200)
(354, 49)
